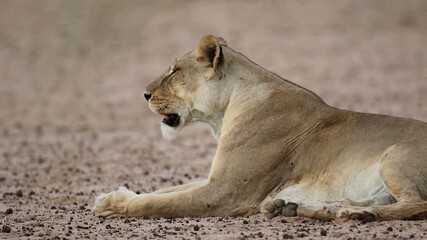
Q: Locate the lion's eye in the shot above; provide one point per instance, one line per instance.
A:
(173, 71)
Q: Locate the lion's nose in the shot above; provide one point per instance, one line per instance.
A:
(147, 96)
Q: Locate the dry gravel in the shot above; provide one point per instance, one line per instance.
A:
(73, 121)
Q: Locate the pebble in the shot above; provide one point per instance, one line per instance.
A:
(196, 228)
(5, 229)
(245, 221)
(323, 232)
(19, 193)
(287, 236)
(9, 211)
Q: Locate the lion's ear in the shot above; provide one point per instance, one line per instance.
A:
(210, 52)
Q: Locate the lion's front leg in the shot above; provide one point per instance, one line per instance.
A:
(182, 187)
(115, 204)
(206, 200)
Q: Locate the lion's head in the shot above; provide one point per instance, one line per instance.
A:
(190, 90)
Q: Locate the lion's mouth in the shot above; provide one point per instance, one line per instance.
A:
(172, 120)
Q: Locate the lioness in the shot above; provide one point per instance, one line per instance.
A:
(281, 149)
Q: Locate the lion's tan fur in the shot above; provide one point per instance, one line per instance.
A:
(279, 140)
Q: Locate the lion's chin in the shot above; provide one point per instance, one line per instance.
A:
(172, 123)
(168, 131)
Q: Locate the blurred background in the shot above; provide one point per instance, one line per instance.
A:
(71, 66)
(74, 122)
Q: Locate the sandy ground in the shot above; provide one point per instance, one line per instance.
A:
(73, 121)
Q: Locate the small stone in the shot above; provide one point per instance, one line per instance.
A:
(245, 221)
(5, 229)
(323, 232)
(287, 236)
(9, 211)
(108, 226)
(279, 203)
(196, 228)
(19, 193)
(390, 229)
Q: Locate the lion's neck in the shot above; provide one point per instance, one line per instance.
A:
(250, 87)
(213, 120)
(216, 126)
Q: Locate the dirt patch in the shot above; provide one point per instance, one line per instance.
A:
(74, 123)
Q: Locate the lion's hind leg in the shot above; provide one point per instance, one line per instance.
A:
(403, 170)
(330, 210)
(380, 199)
(403, 194)
(400, 210)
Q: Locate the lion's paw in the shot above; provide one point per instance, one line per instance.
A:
(279, 207)
(355, 214)
(113, 204)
